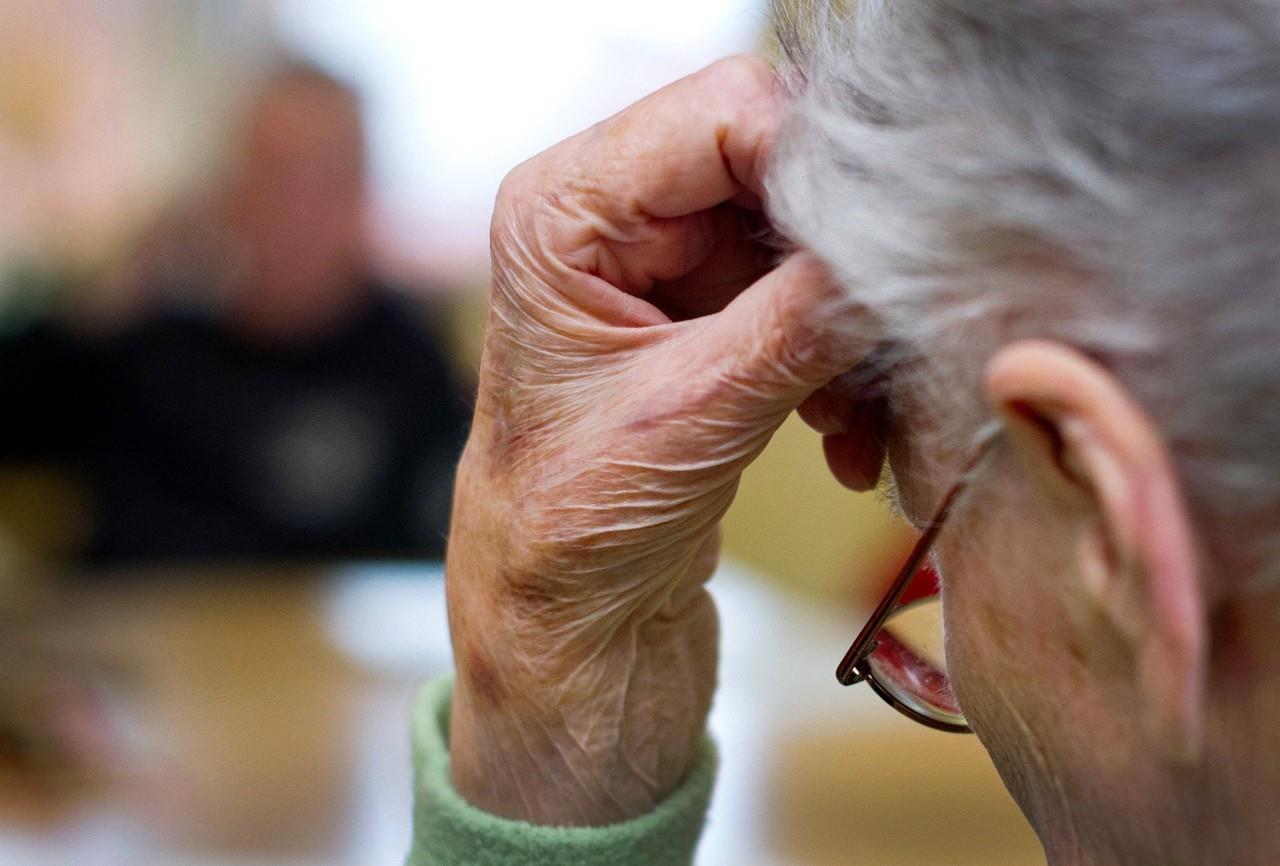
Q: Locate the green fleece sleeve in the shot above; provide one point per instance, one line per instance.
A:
(447, 830)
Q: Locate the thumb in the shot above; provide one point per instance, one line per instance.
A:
(787, 335)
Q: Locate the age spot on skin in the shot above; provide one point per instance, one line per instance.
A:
(482, 678)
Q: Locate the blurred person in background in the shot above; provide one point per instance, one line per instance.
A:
(1052, 220)
(269, 397)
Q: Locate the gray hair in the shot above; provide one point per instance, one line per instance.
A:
(941, 152)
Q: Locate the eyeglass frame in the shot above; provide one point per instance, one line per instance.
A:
(855, 667)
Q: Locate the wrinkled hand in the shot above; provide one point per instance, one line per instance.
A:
(642, 346)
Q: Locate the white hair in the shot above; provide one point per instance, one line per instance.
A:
(940, 151)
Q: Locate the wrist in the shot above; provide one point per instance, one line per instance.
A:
(602, 744)
(567, 712)
(584, 678)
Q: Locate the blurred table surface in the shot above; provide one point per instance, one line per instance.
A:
(262, 718)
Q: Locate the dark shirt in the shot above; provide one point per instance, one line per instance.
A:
(202, 445)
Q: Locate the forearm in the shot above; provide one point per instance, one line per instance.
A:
(449, 830)
(568, 710)
(604, 746)
(642, 346)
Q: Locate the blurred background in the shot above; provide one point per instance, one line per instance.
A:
(243, 264)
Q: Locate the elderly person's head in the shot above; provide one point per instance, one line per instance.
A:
(1065, 214)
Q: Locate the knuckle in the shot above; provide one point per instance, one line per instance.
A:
(515, 207)
(511, 191)
(743, 76)
(793, 347)
(795, 351)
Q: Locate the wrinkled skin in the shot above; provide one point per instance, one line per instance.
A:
(640, 352)
(642, 346)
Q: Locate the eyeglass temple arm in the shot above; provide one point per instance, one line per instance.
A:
(848, 672)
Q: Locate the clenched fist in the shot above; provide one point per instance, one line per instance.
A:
(643, 343)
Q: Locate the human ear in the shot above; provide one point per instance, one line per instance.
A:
(1085, 441)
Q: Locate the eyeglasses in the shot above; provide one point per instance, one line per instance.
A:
(899, 652)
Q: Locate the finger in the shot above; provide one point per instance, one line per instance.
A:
(672, 269)
(854, 460)
(624, 196)
(785, 336)
(832, 408)
(693, 144)
(856, 456)
(744, 250)
(826, 412)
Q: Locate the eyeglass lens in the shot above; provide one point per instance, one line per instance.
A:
(909, 663)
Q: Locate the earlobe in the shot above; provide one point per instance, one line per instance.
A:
(1082, 437)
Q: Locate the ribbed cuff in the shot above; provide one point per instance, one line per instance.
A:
(447, 830)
